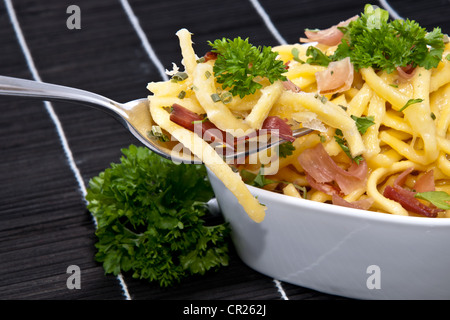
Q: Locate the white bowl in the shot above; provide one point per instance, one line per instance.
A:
(341, 251)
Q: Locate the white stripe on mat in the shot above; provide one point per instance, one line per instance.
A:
(145, 43)
(268, 21)
(394, 14)
(53, 116)
(281, 40)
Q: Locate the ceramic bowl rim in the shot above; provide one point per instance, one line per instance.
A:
(345, 212)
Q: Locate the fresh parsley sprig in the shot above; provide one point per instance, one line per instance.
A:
(239, 64)
(150, 215)
(373, 41)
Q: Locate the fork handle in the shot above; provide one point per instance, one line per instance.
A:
(10, 86)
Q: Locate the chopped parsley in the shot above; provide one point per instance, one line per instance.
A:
(158, 134)
(438, 198)
(362, 123)
(179, 76)
(285, 149)
(215, 97)
(182, 94)
(258, 180)
(317, 57)
(410, 102)
(295, 54)
(339, 137)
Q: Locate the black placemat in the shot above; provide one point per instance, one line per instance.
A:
(50, 151)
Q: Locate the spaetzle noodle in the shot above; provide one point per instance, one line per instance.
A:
(414, 138)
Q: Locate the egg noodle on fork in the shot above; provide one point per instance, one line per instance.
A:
(406, 142)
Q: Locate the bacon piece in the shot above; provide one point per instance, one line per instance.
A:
(409, 202)
(363, 204)
(210, 56)
(184, 117)
(400, 180)
(322, 169)
(196, 123)
(423, 184)
(406, 72)
(426, 182)
(338, 77)
(330, 37)
(276, 125)
(407, 197)
(289, 85)
(326, 188)
(352, 178)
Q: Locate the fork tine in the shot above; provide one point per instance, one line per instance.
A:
(258, 147)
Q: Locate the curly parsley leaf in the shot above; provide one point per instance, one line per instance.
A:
(239, 64)
(373, 41)
(150, 219)
(286, 149)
